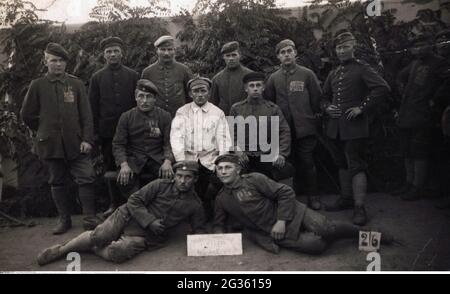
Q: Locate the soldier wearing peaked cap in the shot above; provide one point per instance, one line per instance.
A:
(349, 92)
(228, 87)
(255, 106)
(143, 222)
(296, 90)
(57, 108)
(141, 144)
(169, 76)
(271, 215)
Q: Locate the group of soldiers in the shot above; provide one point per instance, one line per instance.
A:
(166, 137)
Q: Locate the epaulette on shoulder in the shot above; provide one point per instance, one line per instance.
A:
(73, 77)
(360, 61)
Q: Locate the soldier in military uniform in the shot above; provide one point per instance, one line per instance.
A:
(420, 81)
(169, 76)
(227, 87)
(111, 93)
(271, 216)
(57, 108)
(142, 141)
(296, 90)
(255, 106)
(143, 223)
(349, 92)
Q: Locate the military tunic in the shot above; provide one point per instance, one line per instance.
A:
(111, 93)
(141, 136)
(297, 92)
(263, 108)
(228, 87)
(257, 202)
(58, 109)
(352, 84)
(171, 81)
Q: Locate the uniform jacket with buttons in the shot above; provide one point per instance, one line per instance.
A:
(257, 202)
(297, 92)
(421, 80)
(140, 136)
(160, 199)
(228, 87)
(58, 110)
(171, 81)
(111, 93)
(262, 108)
(352, 84)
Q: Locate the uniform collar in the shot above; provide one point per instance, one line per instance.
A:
(235, 185)
(114, 67)
(162, 65)
(254, 102)
(53, 78)
(348, 61)
(183, 195)
(204, 108)
(146, 114)
(238, 68)
(289, 70)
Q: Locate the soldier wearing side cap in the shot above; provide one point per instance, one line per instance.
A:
(143, 223)
(296, 90)
(255, 106)
(141, 143)
(227, 86)
(270, 214)
(111, 93)
(349, 92)
(57, 108)
(200, 132)
(418, 115)
(169, 76)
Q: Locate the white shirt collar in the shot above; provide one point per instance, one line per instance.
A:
(204, 108)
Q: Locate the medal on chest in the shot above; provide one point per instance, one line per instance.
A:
(69, 96)
(154, 129)
(244, 195)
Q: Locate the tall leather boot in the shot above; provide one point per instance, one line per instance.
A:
(59, 195)
(359, 184)
(420, 177)
(345, 200)
(409, 167)
(87, 199)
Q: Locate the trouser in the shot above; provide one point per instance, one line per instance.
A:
(109, 241)
(82, 172)
(108, 158)
(303, 149)
(207, 187)
(150, 169)
(267, 168)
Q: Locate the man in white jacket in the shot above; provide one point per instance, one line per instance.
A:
(200, 133)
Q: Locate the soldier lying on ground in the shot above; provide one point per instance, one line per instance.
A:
(270, 214)
(143, 222)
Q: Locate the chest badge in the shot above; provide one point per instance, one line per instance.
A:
(296, 86)
(69, 96)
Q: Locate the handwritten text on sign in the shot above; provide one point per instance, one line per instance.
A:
(369, 241)
(214, 244)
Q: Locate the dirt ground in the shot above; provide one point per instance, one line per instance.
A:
(423, 229)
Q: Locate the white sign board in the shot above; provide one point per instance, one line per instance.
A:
(369, 241)
(214, 244)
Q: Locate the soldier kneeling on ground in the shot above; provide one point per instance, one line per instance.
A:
(270, 214)
(143, 222)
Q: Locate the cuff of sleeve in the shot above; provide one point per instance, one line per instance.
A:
(146, 221)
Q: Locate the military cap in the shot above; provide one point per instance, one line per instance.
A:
(111, 41)
(229, 157)
(199, 81)
(147, 86)
(253, 76)
(284, 43)
(443, 35)
(189, 165)
(229, 47)
(343, 37)
(164, 40)
(57, 50)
